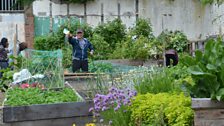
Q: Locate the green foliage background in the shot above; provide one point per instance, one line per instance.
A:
(29, 96)
(161, 109)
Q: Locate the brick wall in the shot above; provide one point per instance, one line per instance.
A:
(29, 27)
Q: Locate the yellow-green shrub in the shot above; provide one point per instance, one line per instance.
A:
(161, 109)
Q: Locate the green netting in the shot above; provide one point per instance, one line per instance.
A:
(123, 68)
(47, 63)
(107, 67)
(116, 68)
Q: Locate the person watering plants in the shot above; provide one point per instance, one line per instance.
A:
(80, 51)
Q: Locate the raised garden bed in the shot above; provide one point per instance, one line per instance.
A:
(61, 114)
(54, 114)
(208, 112)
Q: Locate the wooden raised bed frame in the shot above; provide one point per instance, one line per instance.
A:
(59, 114)
(208, 112)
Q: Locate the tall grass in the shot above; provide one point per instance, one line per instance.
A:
(161, 80)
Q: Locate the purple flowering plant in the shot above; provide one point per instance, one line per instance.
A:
(113, 107)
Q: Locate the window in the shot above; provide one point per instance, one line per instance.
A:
(10, 6)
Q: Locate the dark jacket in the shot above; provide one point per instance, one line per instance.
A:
(172, 52)
(78, 52)
(3, 54)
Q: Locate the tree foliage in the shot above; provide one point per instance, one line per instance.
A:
(211, 1)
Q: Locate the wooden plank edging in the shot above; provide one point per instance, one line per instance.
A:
(206, 103)
(46, 111)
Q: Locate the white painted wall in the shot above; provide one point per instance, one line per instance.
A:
(41, 8)
(8, 24)
(189, 16)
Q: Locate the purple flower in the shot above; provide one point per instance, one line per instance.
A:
(118, 106)
(104, 108)
(110, 96)
(113, 100)
(125, 102)
(97, 108)
(119, 91)
(135, 93)
(97, 95)
(91, 109)
(112, 89)
(95, 100)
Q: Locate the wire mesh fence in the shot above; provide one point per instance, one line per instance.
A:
(120, 76)
(45, 63)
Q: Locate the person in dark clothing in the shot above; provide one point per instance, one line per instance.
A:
(22, 46)
(4, 54)
(80, 51)
(19, 48)
(171, 54)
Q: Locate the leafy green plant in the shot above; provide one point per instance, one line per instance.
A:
(133, 49)
(113, 106)
(47, 63)
(100, 67)
(57, 40)
(161, 109)
(50, 42)
(207, 69)
(113, 32)
(29, 96)
(7, 74)
(120, 117)
(67, 56)
(163, 80)
(24, 2)
(138, 49)
(119, 51)
(6, 79)
(142, 28)
(211, 1)
(173, 40)
(72, 27)
(101, 47)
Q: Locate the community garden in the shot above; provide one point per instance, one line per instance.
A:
(117, 95)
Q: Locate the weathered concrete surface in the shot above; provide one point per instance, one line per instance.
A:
(190, 16)
(8, 24)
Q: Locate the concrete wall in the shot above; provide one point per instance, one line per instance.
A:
(8, 22)
(189, 16)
